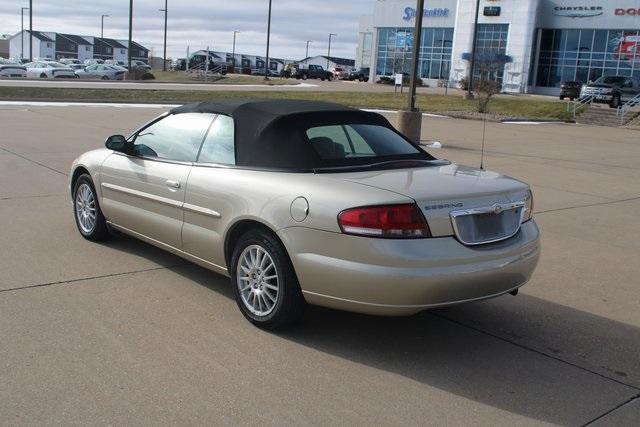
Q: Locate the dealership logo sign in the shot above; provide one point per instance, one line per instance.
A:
(438, 12)
(628, 12)
(578, 11)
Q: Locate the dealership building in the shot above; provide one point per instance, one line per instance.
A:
(526, 45)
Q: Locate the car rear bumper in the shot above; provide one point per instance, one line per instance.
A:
(403, 277)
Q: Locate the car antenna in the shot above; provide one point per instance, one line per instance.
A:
(484, 128)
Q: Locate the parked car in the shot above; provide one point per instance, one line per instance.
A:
(11, 69)
(313, 72)
(612, 90)
(49, 70)
(361, 74)
(118, 63)
(69, 61)
(570, 89)
(340, 73)
(302, 202)
(141, 65)
(260, 72)
(102, 71)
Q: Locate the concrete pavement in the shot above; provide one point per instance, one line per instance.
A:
(122, 332)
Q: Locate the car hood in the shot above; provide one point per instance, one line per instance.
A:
(18, 66)
(600, 85)
(439, 190)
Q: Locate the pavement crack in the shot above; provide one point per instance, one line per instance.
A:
(34, 162)
(630, 199)
(541, 353)
(626, 402)
(84, 279)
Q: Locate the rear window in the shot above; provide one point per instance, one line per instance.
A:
(352, 141)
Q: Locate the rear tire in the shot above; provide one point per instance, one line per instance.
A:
(104, 78)
(305, 77)
(264, 281)
(86, 210)
(361, 78)
(43, 76)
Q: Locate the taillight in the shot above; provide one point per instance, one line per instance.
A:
(528, 207)
(391, 221)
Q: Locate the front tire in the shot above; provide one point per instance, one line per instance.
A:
(86, 209)
(615, 102)
(43, 76)
(264, 281)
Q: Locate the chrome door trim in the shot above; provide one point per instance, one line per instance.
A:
(200, 210)
(142, 195)
(495, 208)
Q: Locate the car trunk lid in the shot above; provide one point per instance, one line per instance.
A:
(477, 206)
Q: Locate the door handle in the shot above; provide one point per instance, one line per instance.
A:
(172, 184)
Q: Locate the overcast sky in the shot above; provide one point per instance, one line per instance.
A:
(199, 23)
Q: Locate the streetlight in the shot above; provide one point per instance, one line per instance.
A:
(473, 53)
(233, 55)
(410, 119)
(164, 55)
(130, 36)
(306, 56)
(266, 64)
(102, 25)
(30, 30)
(22, 9)
(329, 50)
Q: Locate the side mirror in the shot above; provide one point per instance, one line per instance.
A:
(116, 143)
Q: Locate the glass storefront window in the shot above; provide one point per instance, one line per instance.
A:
(585, 55)
(395, 47)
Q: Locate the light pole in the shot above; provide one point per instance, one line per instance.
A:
(329, 50)
(306, 55)
(22, 9)
(30, 30)
(266, 64)
(130, 35)
(410, 120)
(233, 54)
(102, 25)
(473, 53)
(164, 55)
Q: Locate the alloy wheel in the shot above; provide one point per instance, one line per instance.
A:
(86, 208)
(257, 280)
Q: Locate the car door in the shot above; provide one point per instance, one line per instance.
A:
(144, 191)
(209, 203)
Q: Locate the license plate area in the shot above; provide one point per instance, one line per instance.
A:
(489, 224)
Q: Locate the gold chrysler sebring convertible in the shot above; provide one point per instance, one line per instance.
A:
(304, 202)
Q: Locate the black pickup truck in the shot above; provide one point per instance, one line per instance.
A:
(313, 72)
(612, 90)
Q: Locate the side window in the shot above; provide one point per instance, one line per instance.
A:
(175, 137)
(219, 144)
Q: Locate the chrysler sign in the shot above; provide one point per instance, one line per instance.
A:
(438, 12)
(578, 11)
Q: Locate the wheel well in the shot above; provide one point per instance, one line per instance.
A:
(237, 230)
(76, 174)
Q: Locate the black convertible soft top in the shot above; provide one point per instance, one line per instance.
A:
(271, 133)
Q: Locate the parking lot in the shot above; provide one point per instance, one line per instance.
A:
(122, 332)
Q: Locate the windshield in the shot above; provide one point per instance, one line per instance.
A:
(611, 80)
